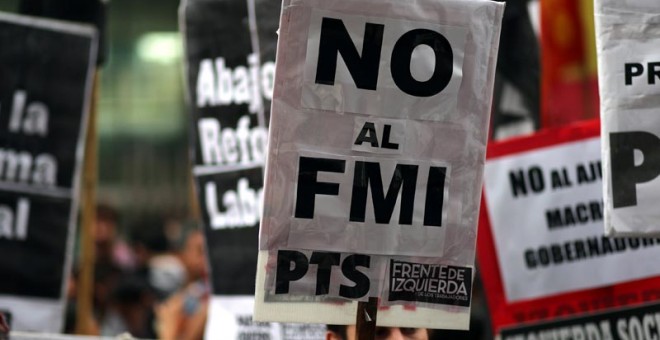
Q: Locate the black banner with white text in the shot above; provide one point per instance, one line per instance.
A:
(638, 323)
(230, 48)
(47, 69)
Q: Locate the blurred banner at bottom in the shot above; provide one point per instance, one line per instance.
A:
(639, 323)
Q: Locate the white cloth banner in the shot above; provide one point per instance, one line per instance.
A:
(546, 214)
(628, 36)
(376, 150)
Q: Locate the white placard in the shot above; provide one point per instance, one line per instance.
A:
(376, 148)
(629, 83)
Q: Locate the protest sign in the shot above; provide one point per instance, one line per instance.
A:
(230, 52)
(47, 68)
(640, 323)
(629, 82)
(541, 249)
(377, 139)
(230, 48)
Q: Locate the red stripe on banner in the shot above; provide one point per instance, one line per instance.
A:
(544, 138)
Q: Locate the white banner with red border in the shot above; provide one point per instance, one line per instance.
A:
(541, 248)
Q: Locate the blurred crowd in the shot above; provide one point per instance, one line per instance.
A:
(151, 283)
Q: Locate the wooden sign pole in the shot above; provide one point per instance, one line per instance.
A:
(365, 323)
(85, 323)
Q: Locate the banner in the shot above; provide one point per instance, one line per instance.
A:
(640, 323)
(629, 80)
(47, 69)
(541, 249)
(380, 119)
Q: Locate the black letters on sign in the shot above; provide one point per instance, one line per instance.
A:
(625, 174)
(401, 57)
(367, 179)
(633, 70)
(435, 194)
(336, 40)
(654, 72)
(309, 186)
(367, 174)
(293, 265)
(349, 269)
(368, 135)
(285, 273)
(324, 262)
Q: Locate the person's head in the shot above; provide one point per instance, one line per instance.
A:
(148, 239)
(343, 332)
(105, 232)
(193, 255)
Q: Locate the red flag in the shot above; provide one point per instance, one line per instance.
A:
(569, 84)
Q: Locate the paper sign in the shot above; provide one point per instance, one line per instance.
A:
(375, 155)
(629, 82)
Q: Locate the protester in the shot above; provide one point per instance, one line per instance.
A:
(155, 258)
(110, 248)
(342, 332)
(183, 315)
(193, 255)
(130, 309)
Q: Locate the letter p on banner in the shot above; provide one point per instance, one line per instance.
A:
(629, 82)
(377, 144)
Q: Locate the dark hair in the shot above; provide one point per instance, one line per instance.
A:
(148, 232)
(106, 212)
(340, 330)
